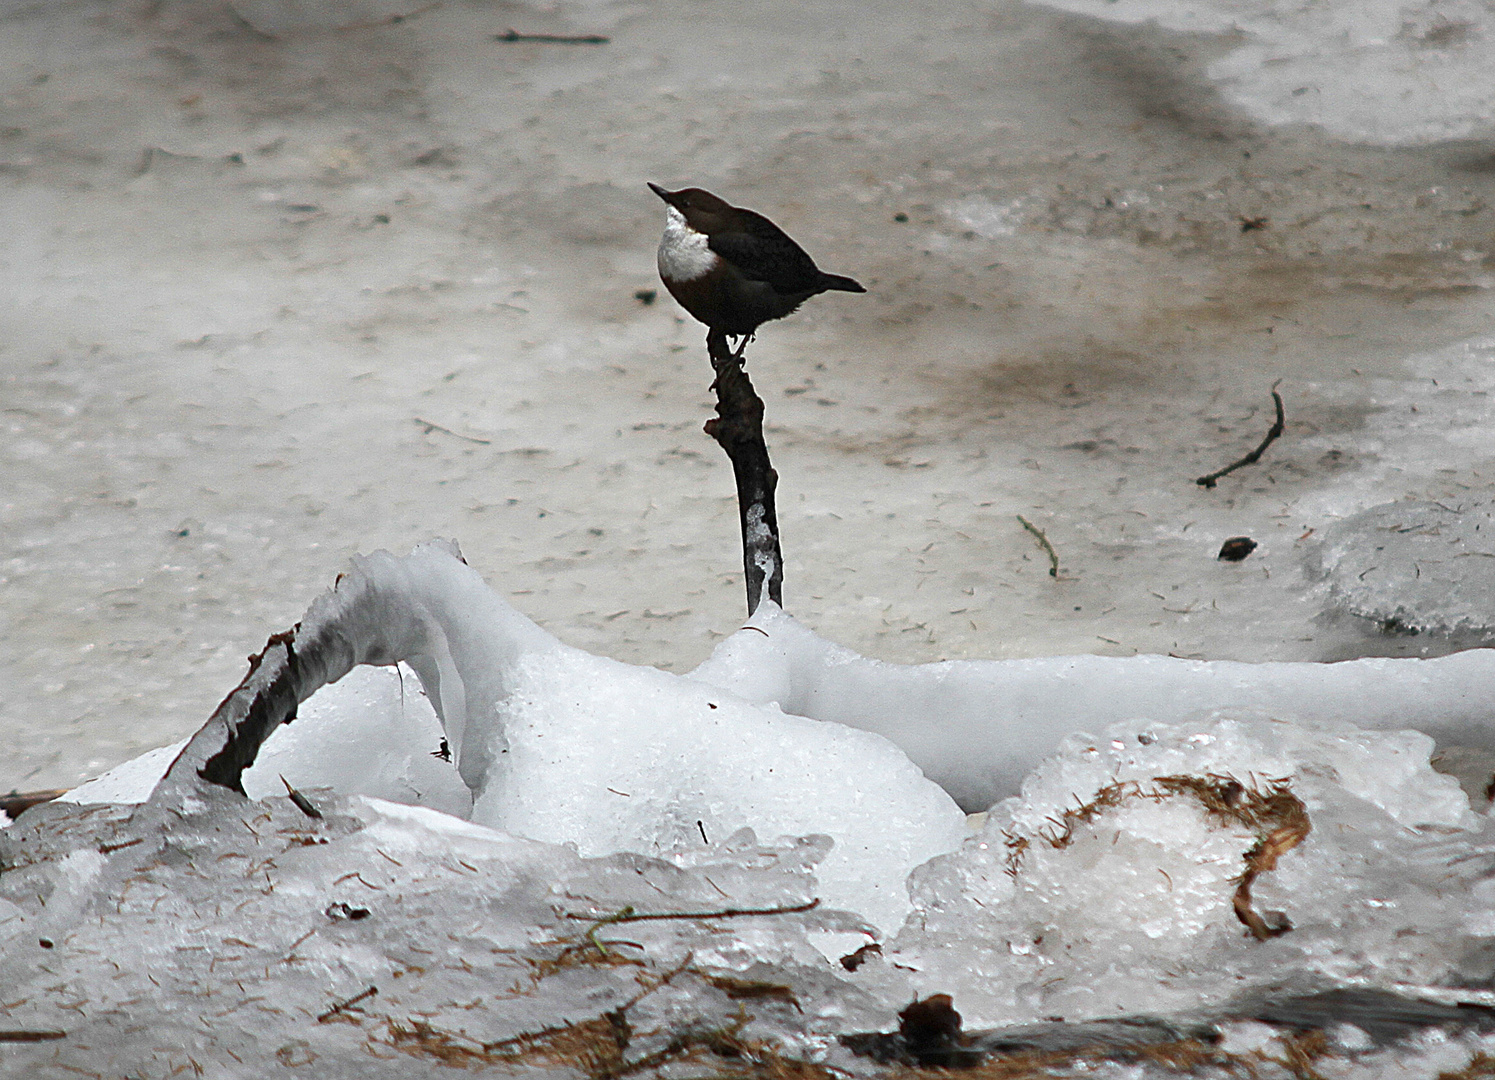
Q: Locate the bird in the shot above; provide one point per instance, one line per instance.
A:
(732, 268)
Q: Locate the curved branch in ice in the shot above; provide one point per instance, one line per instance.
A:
(385, 610)
(556, 744)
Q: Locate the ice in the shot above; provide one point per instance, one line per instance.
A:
(555, 744)
(219, 943)
(373, 733)
(1413, 567)
(1114, 862)
(1378, 71)
(232, 935)
(978, 727)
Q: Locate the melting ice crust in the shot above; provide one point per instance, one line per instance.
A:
(1117, 872)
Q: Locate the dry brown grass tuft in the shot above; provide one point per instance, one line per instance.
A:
(1277, 817)
(1300, 1050)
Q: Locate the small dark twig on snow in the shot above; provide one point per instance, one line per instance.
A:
(1043, 542)
(629, 914)
(553, 39)
(1252, 458)
(303, 804)
(344, 1005)
(430, 427)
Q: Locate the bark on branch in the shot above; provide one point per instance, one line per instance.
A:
(738, 428)
(369, 617)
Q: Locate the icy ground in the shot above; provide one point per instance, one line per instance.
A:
(247, 264)
(1232, 895)
(290, 280)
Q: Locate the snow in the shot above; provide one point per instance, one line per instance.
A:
(225, 372)
(287, 281)
(1379, 71)
(398, 938)
(616, 758)
(558, 745)
(978, 727)
(1015, 925)
(373, 733)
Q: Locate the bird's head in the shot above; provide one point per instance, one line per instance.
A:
(702, 211)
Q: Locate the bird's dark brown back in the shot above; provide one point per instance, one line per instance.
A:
(762, 251)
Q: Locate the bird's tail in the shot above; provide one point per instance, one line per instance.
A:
(840, 284)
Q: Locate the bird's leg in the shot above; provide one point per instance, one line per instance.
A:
(742, 347)
(717, 346)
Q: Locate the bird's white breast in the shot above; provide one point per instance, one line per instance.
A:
(683, 254)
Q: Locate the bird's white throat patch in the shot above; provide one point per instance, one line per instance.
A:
(683, 254)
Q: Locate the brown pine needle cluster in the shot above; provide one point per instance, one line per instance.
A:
(1277, 817)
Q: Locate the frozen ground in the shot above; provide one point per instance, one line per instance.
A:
(663, 875)
(288, 280)
(250, 262)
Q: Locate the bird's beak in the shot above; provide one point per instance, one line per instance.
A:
(667, 196)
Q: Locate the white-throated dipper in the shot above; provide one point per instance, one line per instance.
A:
(733, 269)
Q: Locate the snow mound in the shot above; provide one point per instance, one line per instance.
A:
(1129, 853)
(558, 745)
(613, 757)
(234, 937)
(1412, 566)
(780, 731)
(977, 727)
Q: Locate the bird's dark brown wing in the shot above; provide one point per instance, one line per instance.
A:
(763, 252)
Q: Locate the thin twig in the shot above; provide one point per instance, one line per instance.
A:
(392, 20)
(342, 1005)
(1043, 542)
(13, 804)
(105, 849)
(31, 1036)
(302, 802)
(553, 39)
(628, 914)
(1255, 455)
(430, 427)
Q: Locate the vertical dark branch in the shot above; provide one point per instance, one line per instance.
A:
(738, 428)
